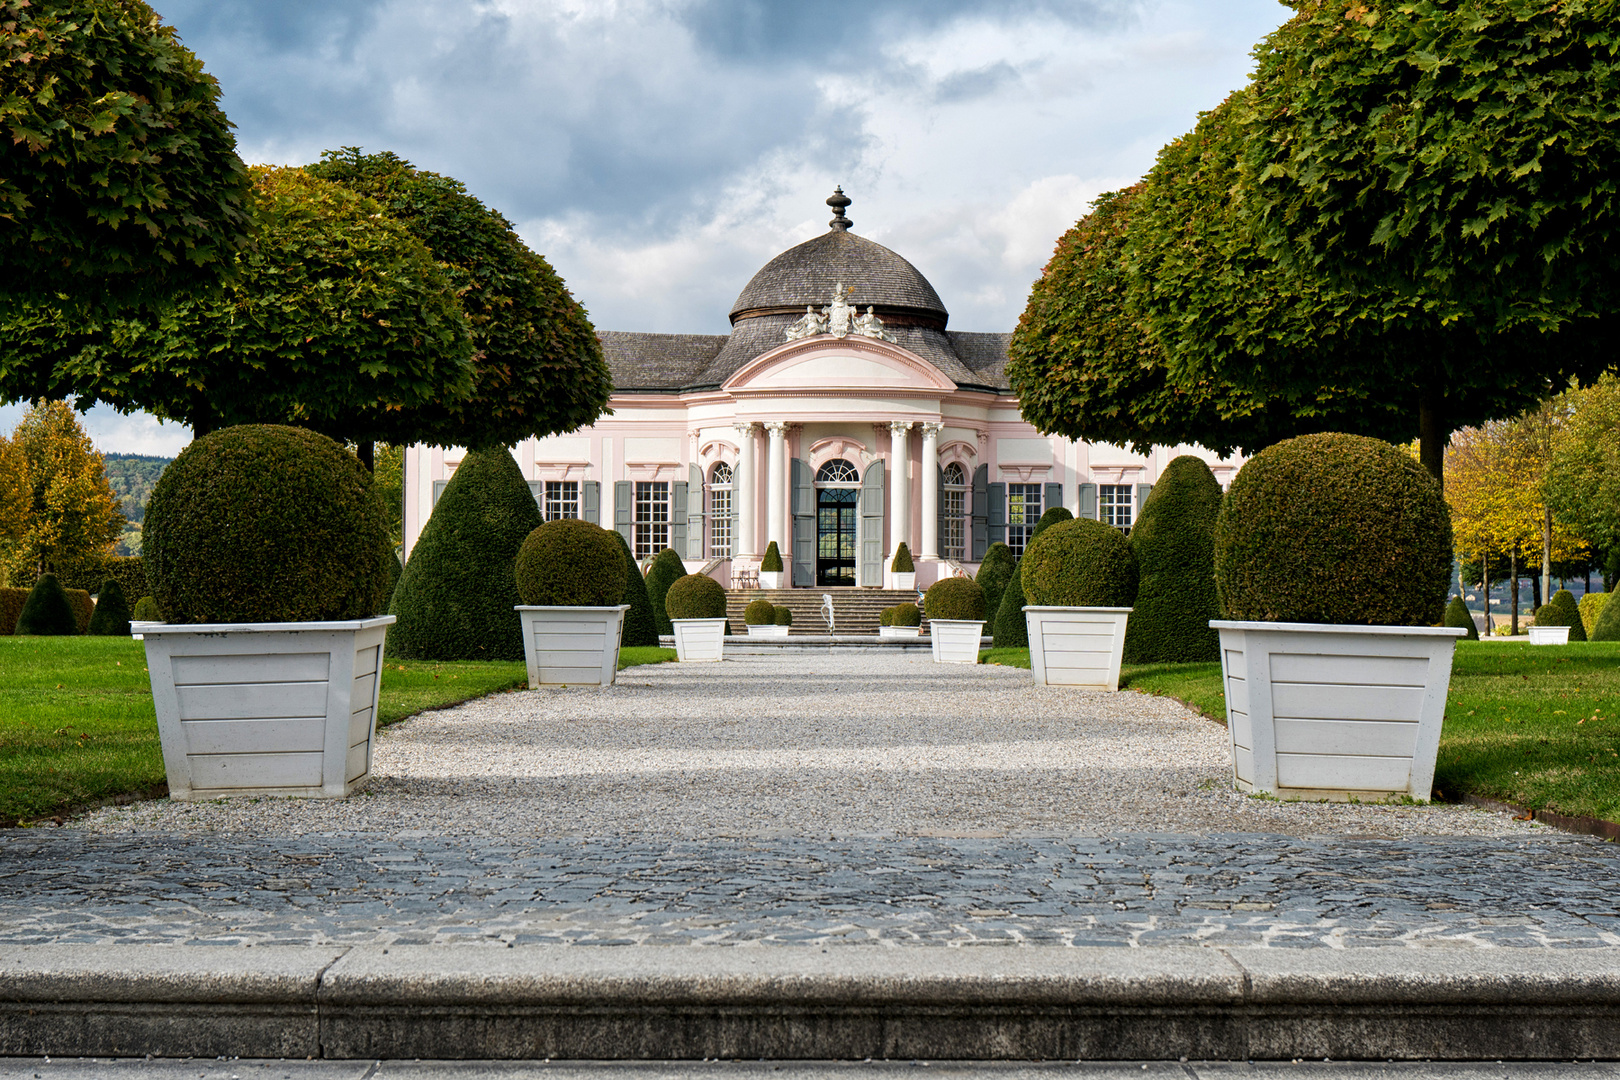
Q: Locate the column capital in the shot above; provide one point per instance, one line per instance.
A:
(744, 429)
(900, 427)
(776, 428)
(932, 428)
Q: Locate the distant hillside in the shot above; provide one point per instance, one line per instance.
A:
(132, 477)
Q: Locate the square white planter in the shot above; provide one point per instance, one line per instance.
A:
(1549, 635)
(265, 708)
(571, 646)
(906, 582)
(1076, 646)
(699, 639)
(771, 579)
(766, 630)
(955, 641)
(1335, 712)
(902, 632)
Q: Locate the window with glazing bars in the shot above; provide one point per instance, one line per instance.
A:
(720, 511)
(1115, 504)
(1023, 511)
(953, 541)
(652, 518)
(562, 499)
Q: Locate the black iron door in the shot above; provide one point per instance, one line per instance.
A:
(835, 536)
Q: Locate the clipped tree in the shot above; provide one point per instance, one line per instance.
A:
(119, 178)
(456, 595)
(997, 569)
(667, 568)
(1174, 541)
(47, 612)
(111, 617)
(1458, 615)
(641, 621)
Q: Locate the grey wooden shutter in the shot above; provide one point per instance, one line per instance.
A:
(1142, 492)
(590, 501)
(997, 523)
(537, 488)
(677, 517)
(981, 512)
(695, 511)
(1054, 496)
(871, 507)
(939, 530)
(624, 507)
(1088, 501)
(803, 542)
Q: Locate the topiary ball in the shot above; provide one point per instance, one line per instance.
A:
(47, 611)
(1334, 529)
(907, 614)
(147, 610)
(1458, 615)
(759, 613)
(1053, 516)
(665, 571)
(262, 523)
(955, 598)
(1079, 563)
(886, 617)
(570, 563)
(784, 617)
(696, 596)
(111, 617)
(1561, 610)
(998, 568)
(902, 563)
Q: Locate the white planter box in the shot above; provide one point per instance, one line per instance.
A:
(771, 579)
(1335, 712)
(906, 582)
(955, 641)
(766, 630)
(1549, 635)
(265, 708)
(699, 639)
(571, 646)
(1076, 646)
(901, 632)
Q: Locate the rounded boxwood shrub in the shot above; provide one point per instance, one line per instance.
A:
(1334, 528)
(1562, 611)
(455, 596)
(1079, 563)
(1174, 543)
(886, 616)
(263, 523)
(1458, 615)
(772, 563)
(997, 569)
(570, 563)
(901, 563)
(1607, 626)
(955, 598)
(147, 610)
(907, 614)
(111, 617)
(759, 613)
(784, 617)
(666, 569)
(47, 611)
(640, 628)
(696, 596)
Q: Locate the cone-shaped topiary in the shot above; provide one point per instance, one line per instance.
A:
(47, 612)
(262, 523)
(1607, 626)
(1458, 615)
(784, 617)
(696, 596)
(1562, 611)
(666, 569)
(772, 563)
(456, 595)
(147, 610)
(570, 563)
(1337, 529)
(1079, 563)
(111, 617)
(1174, 542)
(1591, 606)
(640, 628)
(997, 569)
(391, 561)
(907, 614)
(901, 563)
(759, 613)
(955, 598)
(1009, 628)
(1053, 516)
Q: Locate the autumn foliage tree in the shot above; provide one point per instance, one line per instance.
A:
(72, 514)
(1583, 480)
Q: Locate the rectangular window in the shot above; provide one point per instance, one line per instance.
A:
(1023, 511)
(562, 499)
(953, 542)
(652, 518)
(720, 523)
(1115, 504)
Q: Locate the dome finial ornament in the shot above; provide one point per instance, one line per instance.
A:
(838, 201)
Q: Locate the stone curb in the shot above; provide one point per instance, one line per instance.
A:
(561, 1002)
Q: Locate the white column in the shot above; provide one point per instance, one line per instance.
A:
(899, 504)
(930, 489)
(776, 485)
(742, 489)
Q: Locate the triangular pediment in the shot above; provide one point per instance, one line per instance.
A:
(852, 364)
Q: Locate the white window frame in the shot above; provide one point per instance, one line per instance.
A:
(561, 500)
(719, 511)
(651, 522)
(953, 538)
(1020, 530)
(1116, 505)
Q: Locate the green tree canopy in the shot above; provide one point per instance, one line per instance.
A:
(118, 172)
(538, 369)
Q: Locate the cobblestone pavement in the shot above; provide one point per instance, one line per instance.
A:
(1130, 889)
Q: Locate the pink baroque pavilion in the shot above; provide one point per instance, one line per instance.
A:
(839, 418)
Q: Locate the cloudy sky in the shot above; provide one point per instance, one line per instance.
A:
(657, 152)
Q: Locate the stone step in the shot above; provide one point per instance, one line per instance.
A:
(855, 611)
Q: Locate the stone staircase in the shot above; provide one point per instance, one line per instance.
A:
(855, 611)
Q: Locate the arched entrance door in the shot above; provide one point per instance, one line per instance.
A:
(837, 494)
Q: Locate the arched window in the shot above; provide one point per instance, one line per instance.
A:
(719, 517)
(838, 471)
(953, 513)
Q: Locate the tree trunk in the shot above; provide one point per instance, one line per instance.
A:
(367, 453)
(1485, 572)
(1546, 552)
(1513, 590)
(1535, 592)
(1432, 434)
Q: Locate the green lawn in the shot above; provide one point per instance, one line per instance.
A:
(77, 726)
(1534, 725)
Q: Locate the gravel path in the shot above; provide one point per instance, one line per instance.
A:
(850, 745)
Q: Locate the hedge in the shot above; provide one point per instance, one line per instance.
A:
(11, 605)
(1174, 543)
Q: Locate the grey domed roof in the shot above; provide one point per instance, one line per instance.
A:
(808, 274)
